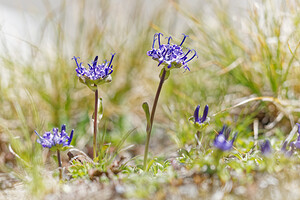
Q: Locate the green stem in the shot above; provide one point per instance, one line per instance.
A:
(59, 164)
(95, 125)
(217, 157)
(149, 127)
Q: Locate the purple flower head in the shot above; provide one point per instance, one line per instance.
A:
(96, 73)
(170, 55)
(221, 141)
(56, 140)
(200, 121)
(286, 151)
(204, 116)
(297, 142)
(265, 148)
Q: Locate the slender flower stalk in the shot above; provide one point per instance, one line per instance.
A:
(92, 77)
(59, 164)
(149, 129)
(200, 123)
(95, 125)
(169, 56)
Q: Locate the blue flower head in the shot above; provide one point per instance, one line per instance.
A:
(265, 148)
(56, 140)
(200, 122)
(286, 151)
(221, 141)
(170, 55)
(297, 142)
(96, 74)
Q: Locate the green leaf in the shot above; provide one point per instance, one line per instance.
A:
(91, 85)
(167, 73)
(100, 109)
(81, 80)
(150, 165)
(54, 157)
(147, 113)
(184, 153)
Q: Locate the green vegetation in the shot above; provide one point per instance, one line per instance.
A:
(247, 72)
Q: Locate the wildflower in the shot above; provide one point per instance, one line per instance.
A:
(200, 121)
(266, 148)
(96, 74)
(297, 142)
(288, 153)
(56, 140)
(221, 141)
(170, 55)
(294, 145)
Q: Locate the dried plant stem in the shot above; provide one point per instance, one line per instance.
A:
(95, 125)
(59, 164)
(162, 79)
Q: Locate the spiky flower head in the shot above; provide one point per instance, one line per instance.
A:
(96, 74)
(200, 122)
(266, 148)
(58, 140)
(170, 55)
(221, 141)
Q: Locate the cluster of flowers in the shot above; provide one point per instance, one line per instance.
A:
(58, 140)
(288, 150)
(95, 70)
(96, 74)
(170, 55)
(221, 140)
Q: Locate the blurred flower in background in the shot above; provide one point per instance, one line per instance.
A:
(221, 141)
(266, 148)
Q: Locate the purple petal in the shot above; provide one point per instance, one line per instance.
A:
(205, 112)
(184, 36)
(95, 61)
(71, 137)
(196, 114)
(63, 128)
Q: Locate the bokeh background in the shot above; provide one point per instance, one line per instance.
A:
(247, 71)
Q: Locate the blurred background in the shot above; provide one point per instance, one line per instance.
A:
(247, 57)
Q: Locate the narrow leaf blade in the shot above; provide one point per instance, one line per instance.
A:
(167, 74)
(147, 113)
(100, 109)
